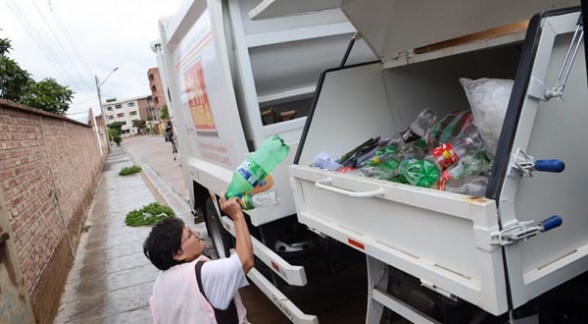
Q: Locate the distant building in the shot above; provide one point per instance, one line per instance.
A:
(126, 111)
(157, 91)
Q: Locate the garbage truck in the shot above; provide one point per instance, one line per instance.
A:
(238, 72)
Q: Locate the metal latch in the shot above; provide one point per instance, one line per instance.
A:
(566, 67)
(523, 231)
(524, 164)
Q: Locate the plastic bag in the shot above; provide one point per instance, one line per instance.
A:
(488, 99)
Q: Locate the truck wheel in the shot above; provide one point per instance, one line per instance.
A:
(221, 239)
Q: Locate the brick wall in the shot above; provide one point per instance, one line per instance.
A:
(49, 168)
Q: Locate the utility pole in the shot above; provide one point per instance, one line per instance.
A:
(98, 85)
(103, 113)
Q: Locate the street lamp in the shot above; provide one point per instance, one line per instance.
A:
(98, 85)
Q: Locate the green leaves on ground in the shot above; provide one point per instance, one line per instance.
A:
(148, 215)
(130, 170)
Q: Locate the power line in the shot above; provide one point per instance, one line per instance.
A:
(72, 43)
(43, 41)
(35, 37)
(57, 39)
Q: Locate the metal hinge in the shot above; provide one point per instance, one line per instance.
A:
(566, 67)
(524, 164)
(523, 231)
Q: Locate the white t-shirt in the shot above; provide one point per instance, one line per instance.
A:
(221, 279)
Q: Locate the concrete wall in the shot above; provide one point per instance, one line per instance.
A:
(49, 169)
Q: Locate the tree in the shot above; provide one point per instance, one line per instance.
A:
(47, 95)
(17, 85)
(164, 113)
(115, 131)
(116, 125)
(140, 125)
(13, 79)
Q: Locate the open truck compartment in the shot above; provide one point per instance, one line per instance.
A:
(447, 240)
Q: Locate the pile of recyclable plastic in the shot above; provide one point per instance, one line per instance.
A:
(451, 153)
(444, 153)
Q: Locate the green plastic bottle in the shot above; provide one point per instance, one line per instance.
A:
(420, 173)
(257, 166)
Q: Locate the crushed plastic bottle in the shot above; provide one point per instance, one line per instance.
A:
(262, 199)
(470, 165)
(420, 173)
(386, 170)
(449, 153)
(415, 150)
(425, 120)
(449, 126)
(473, 186)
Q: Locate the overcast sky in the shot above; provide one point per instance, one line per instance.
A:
(73, 40)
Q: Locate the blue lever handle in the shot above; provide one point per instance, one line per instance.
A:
(550, 165)
(551, 223)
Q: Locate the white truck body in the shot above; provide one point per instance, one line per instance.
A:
(222, 69)
(451, 242)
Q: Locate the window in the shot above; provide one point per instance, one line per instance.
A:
(109, 108)
(156, 100)
(110, 117)
(120, 115)
(153, 88)
(118, 106)
(151, 77)
(133, 113)
(131, 104)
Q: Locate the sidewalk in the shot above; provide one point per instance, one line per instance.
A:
(111, 278)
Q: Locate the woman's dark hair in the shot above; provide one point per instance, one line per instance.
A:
(164, 240)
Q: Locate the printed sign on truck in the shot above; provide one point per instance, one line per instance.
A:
(206, 95)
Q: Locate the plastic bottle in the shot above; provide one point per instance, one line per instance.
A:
(412, 151)
(417, 129)
(470, 165)
(473, 186)
(420, 173)
(386, 170)
(449, 153)
(262, 199)
(257, 166)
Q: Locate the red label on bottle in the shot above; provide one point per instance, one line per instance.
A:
(345, 169)
(445, 176)
(445, 155)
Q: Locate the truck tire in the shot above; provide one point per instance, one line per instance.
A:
(221, 239)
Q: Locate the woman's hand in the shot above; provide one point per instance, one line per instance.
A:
(231, 207)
